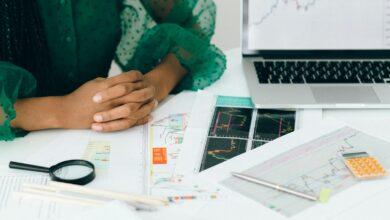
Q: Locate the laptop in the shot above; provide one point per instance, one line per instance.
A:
(317, 53)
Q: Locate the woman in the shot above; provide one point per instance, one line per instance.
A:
(55, 56)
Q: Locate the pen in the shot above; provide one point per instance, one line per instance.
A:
(273, 186)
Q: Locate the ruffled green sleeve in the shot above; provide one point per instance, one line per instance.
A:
(151, 29)
(197, 16)
(15, 83)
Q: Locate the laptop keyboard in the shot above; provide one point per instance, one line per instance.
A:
(285, 72)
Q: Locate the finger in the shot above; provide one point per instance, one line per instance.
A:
(116, 125)
(137, 96)
(128, 77)
(144, 110)
(123, 111)
(117, 91)
(99, 79)
(144, 120)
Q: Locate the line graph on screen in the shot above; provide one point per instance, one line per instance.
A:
(299, 5)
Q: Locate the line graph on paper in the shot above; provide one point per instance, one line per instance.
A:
(165, 145)
(165, 142)
(230, 131)
(220, 150)
(231, 122)
(271, 124)
(309, 168)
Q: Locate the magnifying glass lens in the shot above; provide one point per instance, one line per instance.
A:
(72, 172)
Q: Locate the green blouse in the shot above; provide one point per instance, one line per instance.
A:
(84, 36)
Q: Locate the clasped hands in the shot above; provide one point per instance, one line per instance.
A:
(111, 104)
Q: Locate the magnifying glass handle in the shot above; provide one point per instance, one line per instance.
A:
(24, 166)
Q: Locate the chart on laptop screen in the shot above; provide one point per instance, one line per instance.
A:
(333, 24)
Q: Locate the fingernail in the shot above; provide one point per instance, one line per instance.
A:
(97, 128)
(155, 103)
(97, 98)
(150, 118)
(98, 118)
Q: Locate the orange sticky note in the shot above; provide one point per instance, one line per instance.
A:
(159, 155)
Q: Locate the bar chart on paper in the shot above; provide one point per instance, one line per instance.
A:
(309, 168)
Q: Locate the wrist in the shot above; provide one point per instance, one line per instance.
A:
(59, 118)
(161, 91)
(166, 76)
(38, 113)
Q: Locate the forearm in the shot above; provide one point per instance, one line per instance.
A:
(38, 113)
(48, 112)
(166, 76)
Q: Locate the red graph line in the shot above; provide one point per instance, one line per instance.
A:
(229, 124)
(216, 123)
(280, 126)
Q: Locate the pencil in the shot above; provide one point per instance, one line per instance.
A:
(273, 186)
(66, 191)
(108, 194)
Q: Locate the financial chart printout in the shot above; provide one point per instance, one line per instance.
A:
(309, 168)
(318, 24)
(236, 128)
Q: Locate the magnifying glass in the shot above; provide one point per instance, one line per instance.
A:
(78, 172)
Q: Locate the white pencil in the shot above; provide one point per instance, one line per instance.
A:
(273, 186)
(57, 191)
(108, 194)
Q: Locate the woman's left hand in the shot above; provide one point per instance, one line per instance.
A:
(135, 100)
(133, 103)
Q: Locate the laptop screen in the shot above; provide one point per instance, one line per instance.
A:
(318, 24)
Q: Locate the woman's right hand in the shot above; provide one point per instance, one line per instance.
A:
(78, 108)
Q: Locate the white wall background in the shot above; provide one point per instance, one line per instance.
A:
(228, 27)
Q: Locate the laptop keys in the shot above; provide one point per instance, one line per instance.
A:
(312, 72)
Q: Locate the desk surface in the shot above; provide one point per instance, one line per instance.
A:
(376, 122)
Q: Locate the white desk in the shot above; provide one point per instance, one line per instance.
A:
(232, 83)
